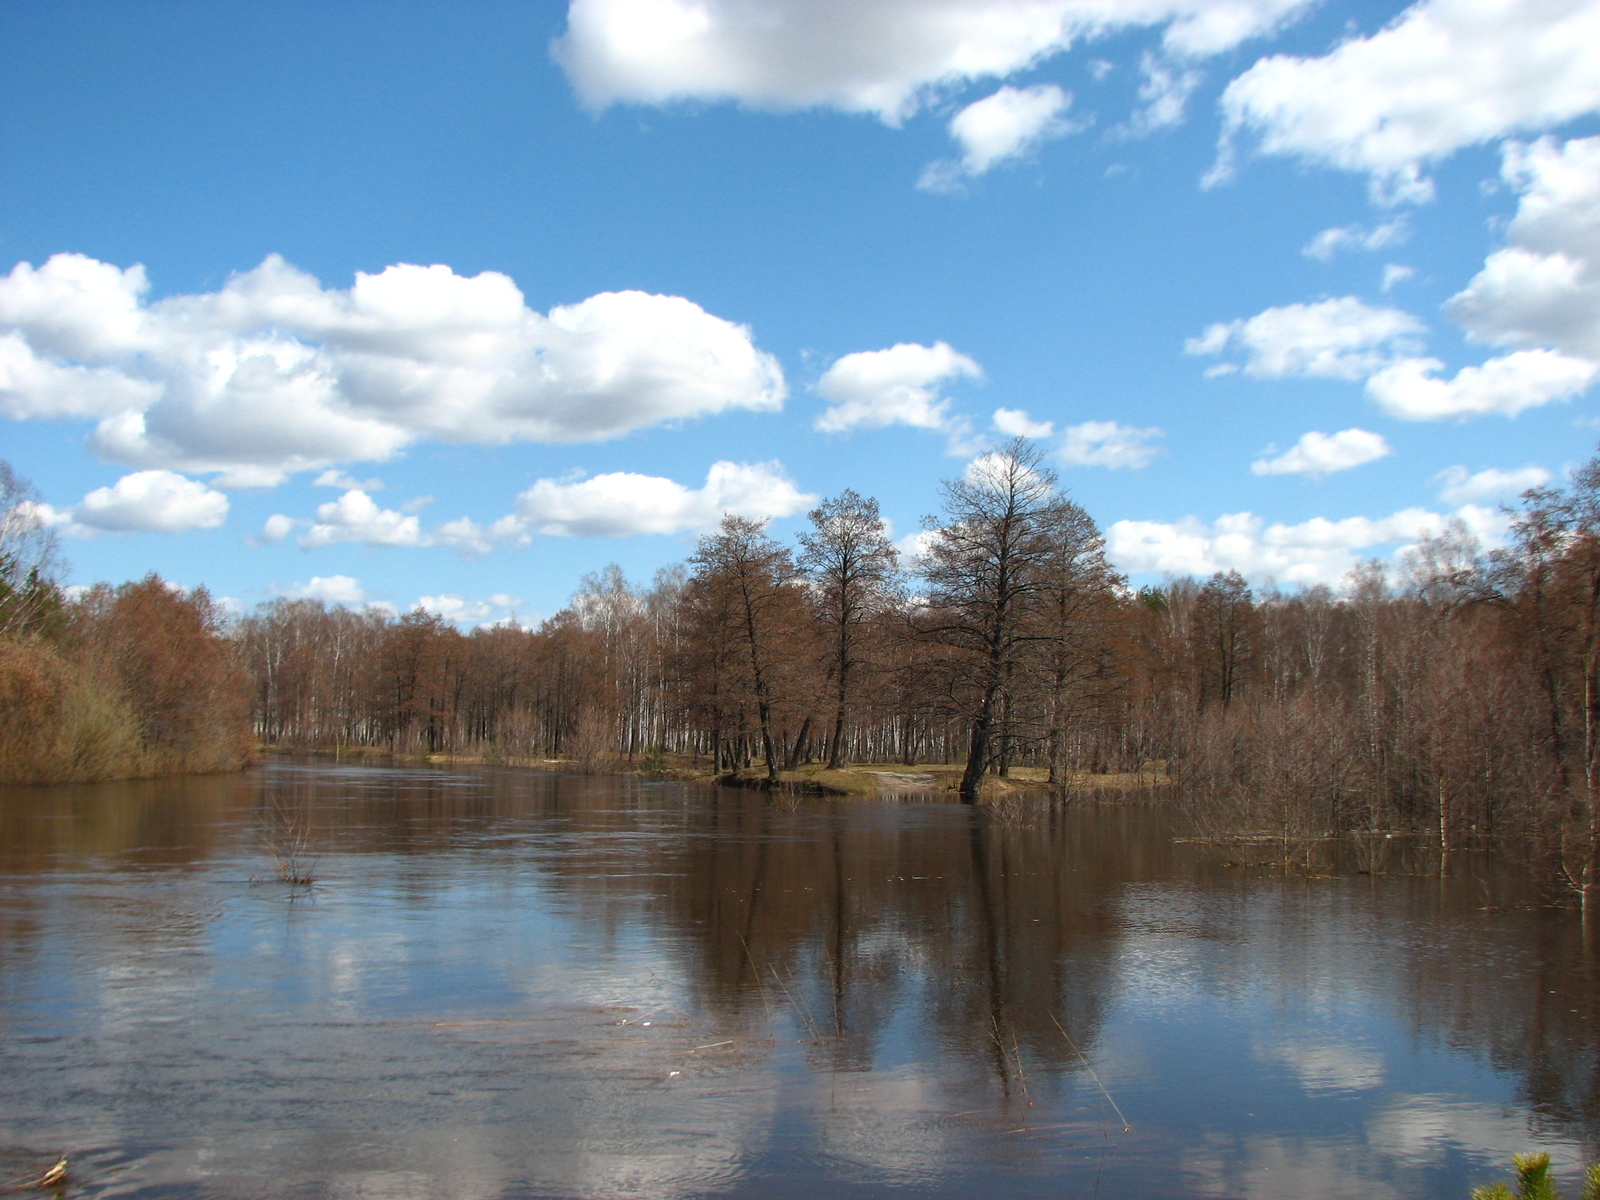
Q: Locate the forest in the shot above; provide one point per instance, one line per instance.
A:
(1455, 699)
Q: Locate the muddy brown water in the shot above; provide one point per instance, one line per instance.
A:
(505, 983)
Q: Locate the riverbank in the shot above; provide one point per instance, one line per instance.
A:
(863, 781)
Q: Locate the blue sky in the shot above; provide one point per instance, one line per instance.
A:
(393, 302)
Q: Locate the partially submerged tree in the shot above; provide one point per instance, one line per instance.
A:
(986, 566)
(745, 584)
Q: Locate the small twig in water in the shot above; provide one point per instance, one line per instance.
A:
(1125, 1126)
(800, 1009)
(760, 983)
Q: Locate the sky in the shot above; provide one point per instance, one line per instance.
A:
(452, 305)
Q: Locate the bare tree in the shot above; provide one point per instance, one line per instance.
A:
(1077, 612)
(29, 557)
(851, 564)
(750, 577)
(985, 567)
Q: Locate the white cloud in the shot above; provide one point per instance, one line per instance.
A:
(1543, 288)
(1320, 453)
(1311, 552)
(617, 504)
(453, 606)
(1015, 422)
(1005, 126)
(1338, 339)
(1394, 273)
(330, 589)
(1163, 96)
(1410, 389)
(144, 502)
(1107, 444)
(459, 609)
(1357, 237)
(622, 504)
(1462, 487)
(356, 517)
(34, 387)
(898, 386)
(1444, 75)
(333, 478)
(884, 57)
(274, 373)
(913, 548)
(276, 528)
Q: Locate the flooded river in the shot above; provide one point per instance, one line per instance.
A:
(505, 983)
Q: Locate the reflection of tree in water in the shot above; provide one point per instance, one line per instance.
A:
(963, 929)
(857, 918)
(1526, 996)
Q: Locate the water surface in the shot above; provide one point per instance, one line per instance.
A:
(514, 984)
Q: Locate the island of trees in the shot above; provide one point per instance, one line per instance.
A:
(1459, 699)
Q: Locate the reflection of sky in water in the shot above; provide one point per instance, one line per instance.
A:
(545, 993)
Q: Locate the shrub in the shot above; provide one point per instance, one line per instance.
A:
(59, 721)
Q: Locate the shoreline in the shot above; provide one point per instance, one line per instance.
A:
(862, 781)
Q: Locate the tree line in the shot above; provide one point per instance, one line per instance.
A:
(1459, 698)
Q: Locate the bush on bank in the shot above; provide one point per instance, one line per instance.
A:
(125, 682)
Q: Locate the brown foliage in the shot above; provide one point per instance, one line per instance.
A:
(60, 722)
(168, 658)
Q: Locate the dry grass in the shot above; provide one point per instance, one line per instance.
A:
(888, 780)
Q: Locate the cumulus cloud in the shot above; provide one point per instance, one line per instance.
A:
(902, 385)
(998, 129)
(1321, 453)
(622, 504)
(276, 528)
(1108, 444)
(1464, 487)
(330, 589)
(1412, 390)
(356, 517)
(453, 606)
(617, 504)
(884, 57)
(274, 373)
(1310, 552)
(1015, 422)
(1338, 339)
(1357, 237)
(1444, 75)
(144, 502)
(1543, 288)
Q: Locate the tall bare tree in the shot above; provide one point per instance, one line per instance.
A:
(985, 566)
(851, 563)
(742, 572)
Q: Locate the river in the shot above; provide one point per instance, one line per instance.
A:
(509, 983)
